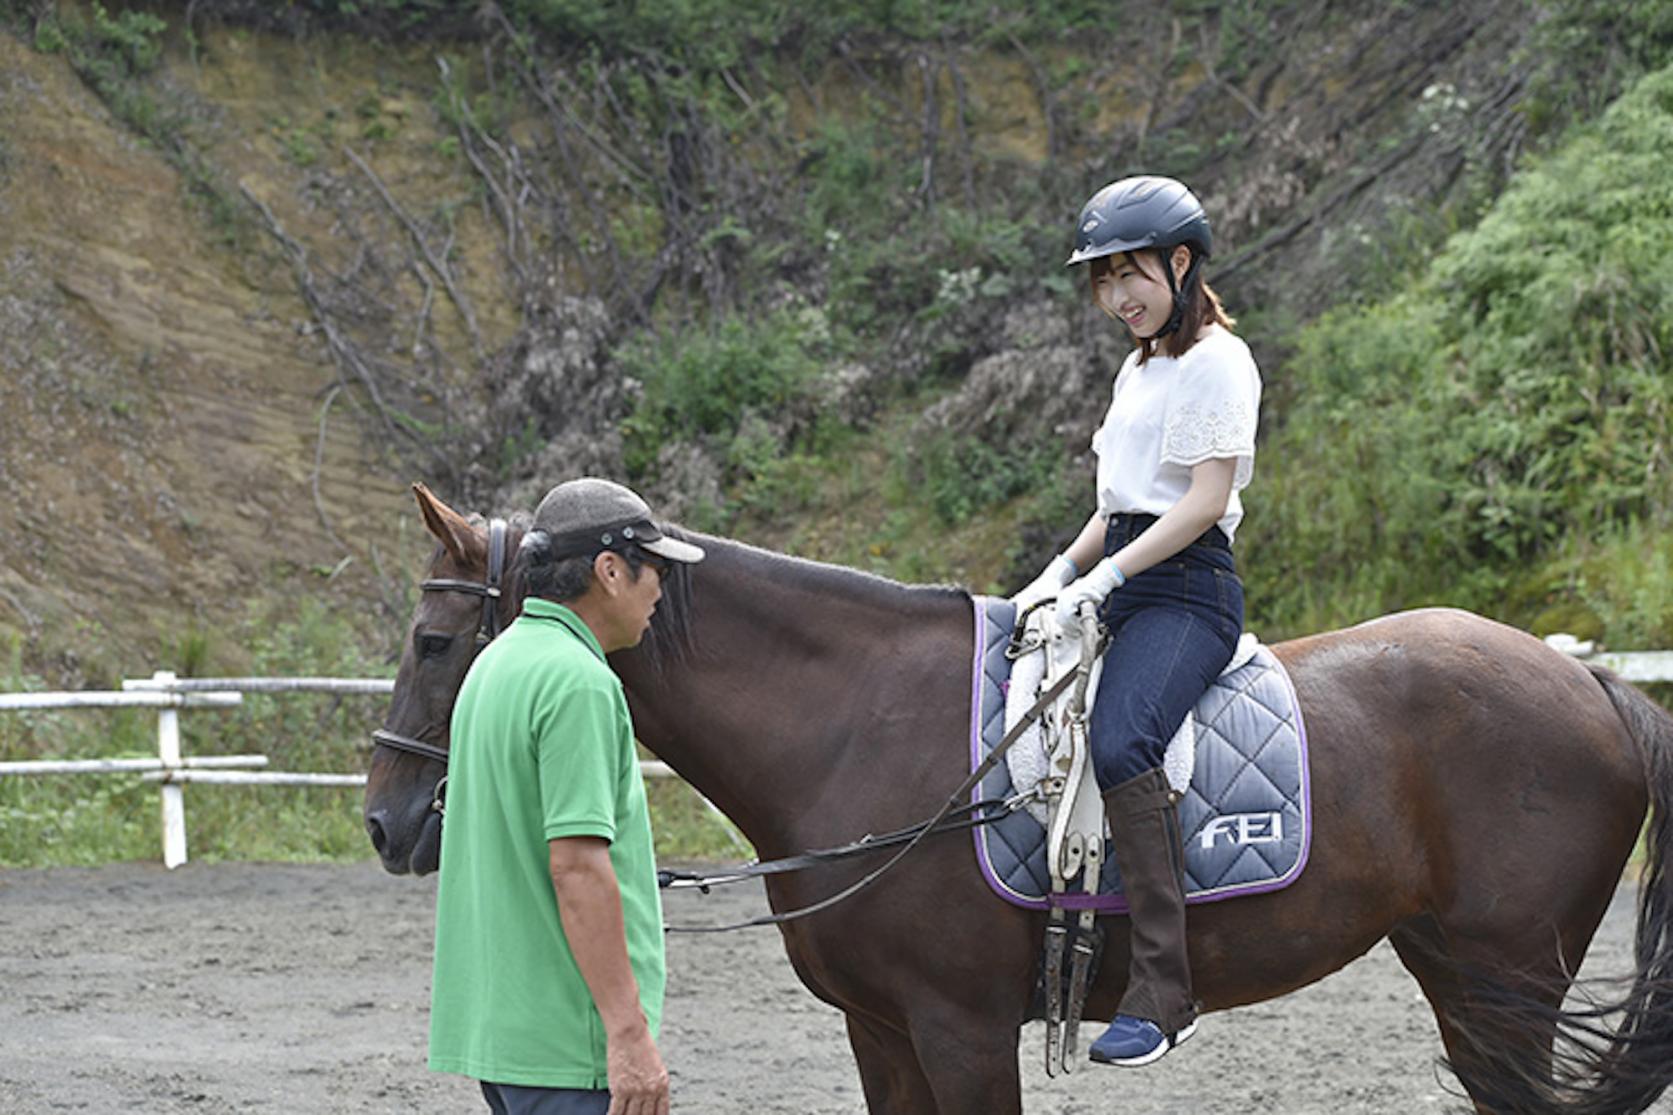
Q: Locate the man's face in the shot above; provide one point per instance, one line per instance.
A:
(644, 594)
(629, 602)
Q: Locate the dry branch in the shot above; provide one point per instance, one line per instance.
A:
(508, 211)
(931, 130)
(440, 266)
(347, 360)
(967, 155)
(1205, 56)
(1042, 89)
(319, 458)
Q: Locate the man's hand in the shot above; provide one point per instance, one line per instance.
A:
(638, 1080)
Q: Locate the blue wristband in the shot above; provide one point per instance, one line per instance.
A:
(1073, 568)
(1120, 577)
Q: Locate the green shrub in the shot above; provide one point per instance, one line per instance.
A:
(1438, 444)
(959, 476)
(707, 384)
(1586, 51)
(132, 36)
(1616, 586)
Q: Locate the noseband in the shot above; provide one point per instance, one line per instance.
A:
(486, 631)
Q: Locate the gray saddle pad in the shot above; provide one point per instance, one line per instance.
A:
(1246, 819)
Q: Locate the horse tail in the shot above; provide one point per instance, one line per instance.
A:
(1635, 1065)
(1612, 1055)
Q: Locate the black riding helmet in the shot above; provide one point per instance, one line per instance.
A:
(1146, 212)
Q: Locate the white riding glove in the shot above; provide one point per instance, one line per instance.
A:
(1101, 580)
(1059, 573)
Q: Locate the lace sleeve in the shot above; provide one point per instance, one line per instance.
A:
(1212, 414)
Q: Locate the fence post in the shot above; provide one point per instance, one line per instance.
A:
(173, 799)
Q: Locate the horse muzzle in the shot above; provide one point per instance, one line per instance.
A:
(411, 847)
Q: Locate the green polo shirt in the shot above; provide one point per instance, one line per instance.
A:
(542, 747)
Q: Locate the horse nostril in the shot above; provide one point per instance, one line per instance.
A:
(374, 829)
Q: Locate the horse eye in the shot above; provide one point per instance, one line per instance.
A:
(434, 646)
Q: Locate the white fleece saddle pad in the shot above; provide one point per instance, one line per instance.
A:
(1246, 815)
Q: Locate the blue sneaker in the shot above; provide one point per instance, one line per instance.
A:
(1132, 1042)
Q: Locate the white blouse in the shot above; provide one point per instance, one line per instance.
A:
(1169, 414)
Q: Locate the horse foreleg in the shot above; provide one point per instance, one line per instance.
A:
(970, 1062)
(893, 1082)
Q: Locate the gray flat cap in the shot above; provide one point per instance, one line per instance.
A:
(591, 514)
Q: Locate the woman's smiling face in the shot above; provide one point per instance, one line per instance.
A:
(1131, 287)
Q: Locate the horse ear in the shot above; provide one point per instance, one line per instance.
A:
(462, 540)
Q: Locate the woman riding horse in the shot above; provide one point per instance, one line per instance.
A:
(1174, 450)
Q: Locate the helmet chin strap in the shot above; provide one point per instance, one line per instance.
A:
(1176, 291)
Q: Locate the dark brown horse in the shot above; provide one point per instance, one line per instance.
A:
(1476, 796)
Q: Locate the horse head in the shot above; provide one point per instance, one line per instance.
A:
(472, 588)
(729, 711)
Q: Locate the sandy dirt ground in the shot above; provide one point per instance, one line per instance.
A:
(283, 988)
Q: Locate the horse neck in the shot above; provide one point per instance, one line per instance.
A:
(765, 709)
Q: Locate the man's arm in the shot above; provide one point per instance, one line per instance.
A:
(590, 908)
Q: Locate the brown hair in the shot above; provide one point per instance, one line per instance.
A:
(1202, 306)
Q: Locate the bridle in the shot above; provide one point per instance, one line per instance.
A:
(487, 629)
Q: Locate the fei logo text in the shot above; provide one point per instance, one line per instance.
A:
(1244, 828)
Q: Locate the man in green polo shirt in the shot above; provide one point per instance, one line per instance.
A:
(549, 964)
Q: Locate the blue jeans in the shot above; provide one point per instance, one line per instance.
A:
(1172, 630)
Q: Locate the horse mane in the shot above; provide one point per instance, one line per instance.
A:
(672, 638)
(822, 578)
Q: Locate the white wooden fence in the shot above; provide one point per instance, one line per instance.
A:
(171, 770)
(1635, 666)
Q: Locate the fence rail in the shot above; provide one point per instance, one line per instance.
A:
(1636, 666)
(253, 778)
(260, 685)
(124, 766)
(171, 770)
(110, 698)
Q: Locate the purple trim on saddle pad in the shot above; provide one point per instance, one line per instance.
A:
(1247, 817)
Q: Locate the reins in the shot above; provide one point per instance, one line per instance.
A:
(913, 835)
(669, 879)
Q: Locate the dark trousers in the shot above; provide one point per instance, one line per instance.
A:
(1172, 630)
(515, 1099)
